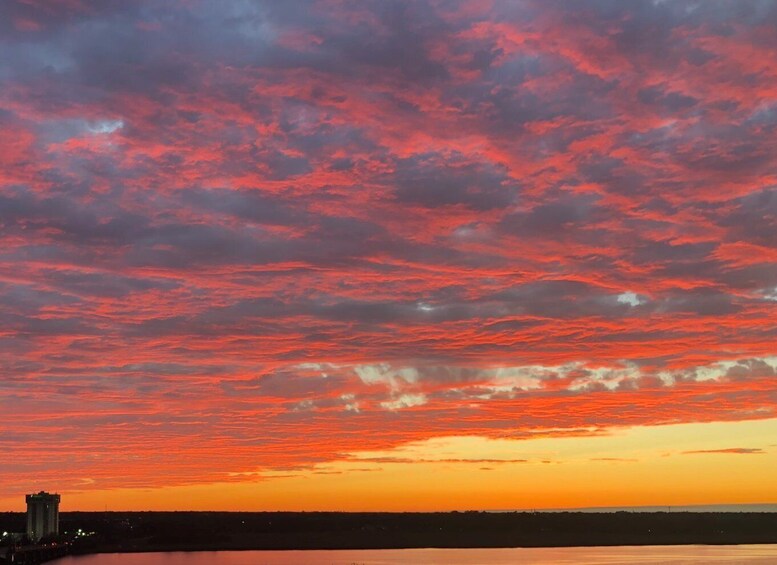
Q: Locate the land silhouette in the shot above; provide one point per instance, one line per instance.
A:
(192, 531)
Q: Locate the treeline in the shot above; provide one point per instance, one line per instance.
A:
(147, 531)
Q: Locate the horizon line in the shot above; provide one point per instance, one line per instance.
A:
(725, 507)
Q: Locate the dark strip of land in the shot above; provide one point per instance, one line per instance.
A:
(192, 531)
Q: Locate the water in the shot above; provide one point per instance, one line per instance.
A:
(674, 555)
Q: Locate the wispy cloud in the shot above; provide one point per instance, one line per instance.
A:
(729, 450)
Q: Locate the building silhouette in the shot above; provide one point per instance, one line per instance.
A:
(42, 515)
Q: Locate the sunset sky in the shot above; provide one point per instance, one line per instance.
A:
(388, 255)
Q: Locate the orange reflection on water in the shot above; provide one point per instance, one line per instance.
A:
(674, 555)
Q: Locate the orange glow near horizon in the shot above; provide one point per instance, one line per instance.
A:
(676, 465)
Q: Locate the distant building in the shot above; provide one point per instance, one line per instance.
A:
(42, 515)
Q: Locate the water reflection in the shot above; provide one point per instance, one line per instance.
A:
(675, 555)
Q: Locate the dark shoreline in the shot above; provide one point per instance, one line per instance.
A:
(142, 532)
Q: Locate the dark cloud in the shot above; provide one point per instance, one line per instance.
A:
(254, 205)
(563, 215)
(433, 181)
(669, 102)
(700, 302)
(754, 218)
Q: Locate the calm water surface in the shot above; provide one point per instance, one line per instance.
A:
(675, 555)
